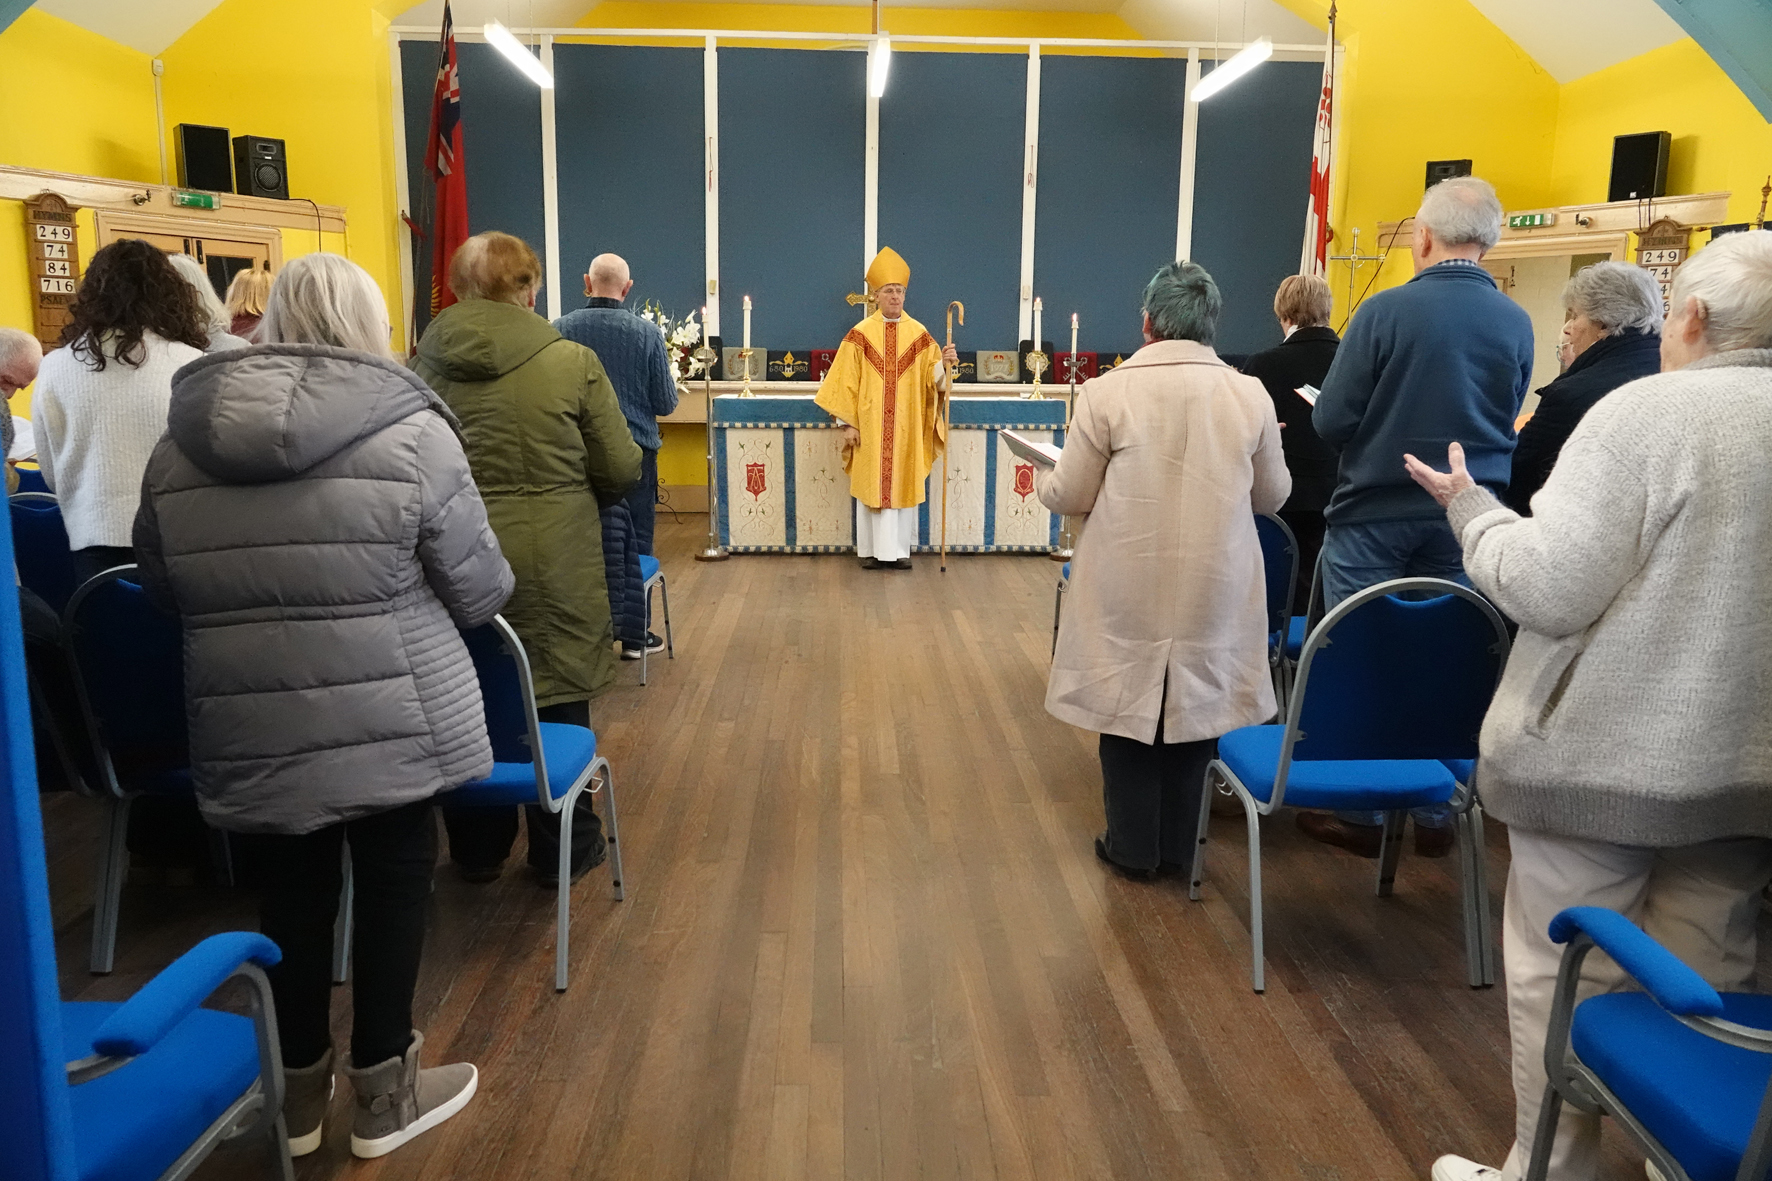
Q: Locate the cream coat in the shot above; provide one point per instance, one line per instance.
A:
(1170, 455)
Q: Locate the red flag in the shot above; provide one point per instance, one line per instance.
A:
(447, 168)
(1314, 259)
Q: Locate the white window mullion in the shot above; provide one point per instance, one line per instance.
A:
(710, 117)
(550, 188)
(870, 200)
(1190, 137)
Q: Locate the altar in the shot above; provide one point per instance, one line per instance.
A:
(781, 486)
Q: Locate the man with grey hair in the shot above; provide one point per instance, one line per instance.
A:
(1444, 357)
(633, 354)
(20, 356)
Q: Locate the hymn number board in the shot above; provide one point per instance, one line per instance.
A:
(1661, 249)
(55, 264)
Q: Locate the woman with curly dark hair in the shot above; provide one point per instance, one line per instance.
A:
(100, 402)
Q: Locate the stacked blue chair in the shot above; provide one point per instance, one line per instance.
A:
(652, 575)
(40, 547)
(1682, 1068)
(1279, 560)
(535, 762)
(1388, 691)
(116, 1092)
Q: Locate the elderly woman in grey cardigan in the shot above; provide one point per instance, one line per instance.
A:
(311, 517)
(1626, 747)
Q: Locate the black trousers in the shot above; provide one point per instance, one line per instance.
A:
(1151, 792)
(96, 559)
(392, 855)
(642, 501)
(482, 837)
(1307, 526)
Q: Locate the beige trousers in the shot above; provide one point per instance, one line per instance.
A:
(1701, 902)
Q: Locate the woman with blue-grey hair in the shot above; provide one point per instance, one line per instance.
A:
(1163, 643)
(1613, 335)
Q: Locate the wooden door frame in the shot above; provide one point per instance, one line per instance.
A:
(111, 224)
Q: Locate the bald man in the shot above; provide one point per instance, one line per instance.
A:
(633, 354)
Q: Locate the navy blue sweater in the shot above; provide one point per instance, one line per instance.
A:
(633, 354)
(1444, 358)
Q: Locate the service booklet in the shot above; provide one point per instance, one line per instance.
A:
(1044, 454)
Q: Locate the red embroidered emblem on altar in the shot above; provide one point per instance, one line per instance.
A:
(1024, 480)
(753, 479)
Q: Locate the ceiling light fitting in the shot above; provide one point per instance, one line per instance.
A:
(1252, 55)
(879, 65)
(501, 39)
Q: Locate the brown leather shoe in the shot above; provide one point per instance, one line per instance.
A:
(1360, 839)
(1434, 842)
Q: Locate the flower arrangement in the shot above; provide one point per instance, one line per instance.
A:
(681, 339)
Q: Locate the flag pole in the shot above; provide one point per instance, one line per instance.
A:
(947, 425)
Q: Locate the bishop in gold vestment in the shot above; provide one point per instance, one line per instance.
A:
(884, 386)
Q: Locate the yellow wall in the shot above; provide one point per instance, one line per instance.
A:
(805, 18)
(1720, 140)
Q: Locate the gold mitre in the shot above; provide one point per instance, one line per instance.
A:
(888, 267)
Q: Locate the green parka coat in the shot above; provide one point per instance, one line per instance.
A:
(547, 443)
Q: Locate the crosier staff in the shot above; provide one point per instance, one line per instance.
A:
(947, 425)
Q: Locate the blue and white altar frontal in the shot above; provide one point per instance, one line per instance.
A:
(782, 488)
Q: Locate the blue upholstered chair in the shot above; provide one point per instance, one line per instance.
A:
(31, 479)
(1388, 689)
(535, 762)
(652, 575)
(128, 666)
(1279, 560)
(104, 1091)
(40, 547)
(1682, 1068)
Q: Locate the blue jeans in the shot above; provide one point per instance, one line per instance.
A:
(1361, 555)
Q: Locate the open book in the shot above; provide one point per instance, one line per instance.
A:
(1044, 454)
(1308, 393)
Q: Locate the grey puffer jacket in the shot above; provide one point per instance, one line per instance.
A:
(311, 516)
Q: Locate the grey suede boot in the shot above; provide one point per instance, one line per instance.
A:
(306, 1093)
(397, 1101)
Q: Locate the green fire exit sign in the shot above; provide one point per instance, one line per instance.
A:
(1521, 221)
(190, 200)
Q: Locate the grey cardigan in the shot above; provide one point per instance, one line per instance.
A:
(311, 516)
(1637, 705)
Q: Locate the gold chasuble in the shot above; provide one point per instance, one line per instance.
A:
(882, 382)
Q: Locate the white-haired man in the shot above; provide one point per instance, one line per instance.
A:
(20, 357)
(1444, 357)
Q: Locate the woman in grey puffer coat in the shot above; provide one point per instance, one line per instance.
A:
(311, 517)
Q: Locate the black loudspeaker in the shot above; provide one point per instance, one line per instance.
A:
(1639, 166)
(203, 158)
(260, 167)
(1439, 170)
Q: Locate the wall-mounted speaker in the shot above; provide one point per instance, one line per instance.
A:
(260, 167)
(1639, 166)
(203, 158)
(1439, 170)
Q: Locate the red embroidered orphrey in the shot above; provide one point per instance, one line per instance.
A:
(1024, 480)
(889, 367)
(753, 479)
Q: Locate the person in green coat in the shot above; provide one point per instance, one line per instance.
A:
(547, 443)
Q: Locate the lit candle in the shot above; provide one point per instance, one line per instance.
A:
(1039, 307)
(747, 321)
(704, 325)
(1073, 342)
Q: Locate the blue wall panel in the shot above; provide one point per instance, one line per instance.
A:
(951, 128)
(501, 143)
(1251, 186)
(628, 132)
(793, 130)
(1109, 190)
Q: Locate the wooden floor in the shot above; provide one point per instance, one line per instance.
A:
(865, 936)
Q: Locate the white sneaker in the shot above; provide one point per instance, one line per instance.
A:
(1456, 1168)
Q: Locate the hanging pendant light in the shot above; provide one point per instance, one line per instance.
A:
(1227, 72)
(502, 39)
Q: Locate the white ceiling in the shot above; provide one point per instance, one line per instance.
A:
(1569, 38)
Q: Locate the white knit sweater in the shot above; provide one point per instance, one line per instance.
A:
(95, 431)
(1637, 705)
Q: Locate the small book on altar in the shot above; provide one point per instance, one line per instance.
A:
(1308, 393)
(1044, 454)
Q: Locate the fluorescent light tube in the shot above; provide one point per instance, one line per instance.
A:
(879, 65)
(500, 38)
(1252, 55)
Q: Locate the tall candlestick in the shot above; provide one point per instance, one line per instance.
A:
(1073, 342)
(1038, 308)
(747, 322)
(704, 324)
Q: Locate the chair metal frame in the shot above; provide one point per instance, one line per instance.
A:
(1473, 871)
(1280, 621)
(658, 580)
(257, 1112)
(1571, 1081)
(596, 777)
(1064, 585)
